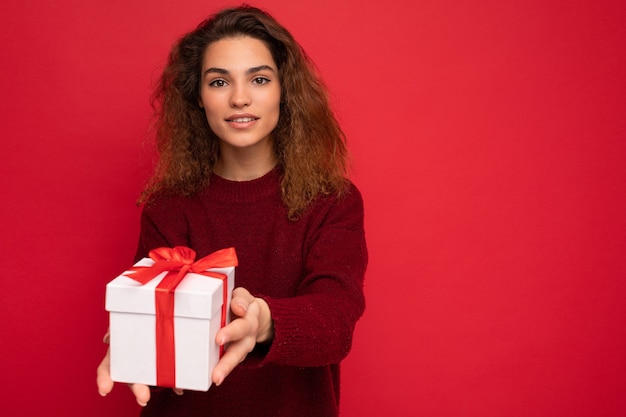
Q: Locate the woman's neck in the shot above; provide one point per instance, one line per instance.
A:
(244, 164)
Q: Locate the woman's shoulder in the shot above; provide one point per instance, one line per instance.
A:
(342, 204)
(347, 195)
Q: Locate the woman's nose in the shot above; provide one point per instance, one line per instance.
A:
(240, 97)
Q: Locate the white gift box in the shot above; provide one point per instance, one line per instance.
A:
(198, 303)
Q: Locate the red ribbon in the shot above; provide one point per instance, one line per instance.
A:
(178, 261)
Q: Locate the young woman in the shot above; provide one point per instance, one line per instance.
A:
(252, 157)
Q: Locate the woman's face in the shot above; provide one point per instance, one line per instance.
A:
(240, 92)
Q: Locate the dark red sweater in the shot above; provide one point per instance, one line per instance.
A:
(309, 271)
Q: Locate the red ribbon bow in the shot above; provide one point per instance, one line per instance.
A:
(178, 261)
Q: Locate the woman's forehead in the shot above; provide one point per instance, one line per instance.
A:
(238, 53)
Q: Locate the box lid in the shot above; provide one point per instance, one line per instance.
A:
(196, 296)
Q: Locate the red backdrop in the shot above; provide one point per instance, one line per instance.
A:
(488, 141)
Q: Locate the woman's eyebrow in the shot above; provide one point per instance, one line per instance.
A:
(249, 71)
(259, 68)
(215, 70)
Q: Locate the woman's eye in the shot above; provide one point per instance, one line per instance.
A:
(260, 80)
(217, 83)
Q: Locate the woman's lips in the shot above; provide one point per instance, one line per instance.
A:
(242, 121)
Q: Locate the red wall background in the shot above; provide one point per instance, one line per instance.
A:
(488, 139)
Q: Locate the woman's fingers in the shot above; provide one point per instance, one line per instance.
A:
(241, 300)
(103, 378)
(234, 355)
(240, 334)
(142, 393)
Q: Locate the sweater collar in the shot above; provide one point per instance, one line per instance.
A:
(257, 189)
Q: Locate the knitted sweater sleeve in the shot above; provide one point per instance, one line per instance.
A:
(315, 327)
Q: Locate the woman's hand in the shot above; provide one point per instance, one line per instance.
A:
(253, 325)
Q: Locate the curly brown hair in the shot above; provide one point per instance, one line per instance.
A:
(309, 144)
